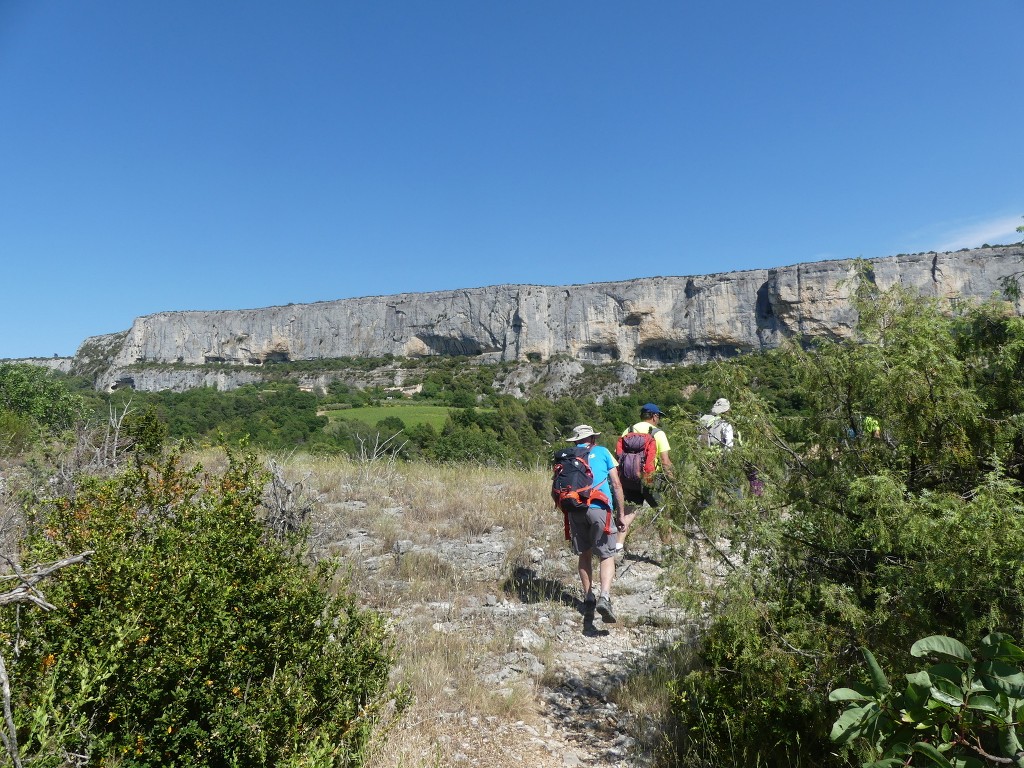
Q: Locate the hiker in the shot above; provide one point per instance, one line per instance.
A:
(591, 529)
(715, 431)
(636, 494)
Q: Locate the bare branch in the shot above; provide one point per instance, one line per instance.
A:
(26, 592)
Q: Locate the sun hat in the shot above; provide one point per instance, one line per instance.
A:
(582, 432)
(651, 408)
(721, 406)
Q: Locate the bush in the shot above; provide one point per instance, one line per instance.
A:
(961, 710)
(17, 432)
(32, 391)
(191, 637)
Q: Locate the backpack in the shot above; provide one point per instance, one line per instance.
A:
(572, 485)
(572, 482)
(711, 432)
(637, 454)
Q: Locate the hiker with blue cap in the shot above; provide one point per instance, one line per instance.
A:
(646, 490)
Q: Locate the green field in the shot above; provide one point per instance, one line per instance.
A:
(434, 415)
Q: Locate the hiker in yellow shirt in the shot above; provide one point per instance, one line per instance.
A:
(650, 418)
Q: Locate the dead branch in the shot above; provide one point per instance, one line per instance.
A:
(26, 591)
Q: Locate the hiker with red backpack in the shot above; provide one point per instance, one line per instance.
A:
(642, 453)
(586, 488)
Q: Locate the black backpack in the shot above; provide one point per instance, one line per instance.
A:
(572, 481)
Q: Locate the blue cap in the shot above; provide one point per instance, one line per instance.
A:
(651, 408)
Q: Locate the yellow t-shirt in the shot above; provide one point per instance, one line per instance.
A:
(660, 438)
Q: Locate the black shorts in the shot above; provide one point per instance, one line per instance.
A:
(637, 496)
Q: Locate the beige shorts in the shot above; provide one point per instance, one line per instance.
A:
(586, 532)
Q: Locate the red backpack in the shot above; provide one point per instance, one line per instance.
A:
(637, 454)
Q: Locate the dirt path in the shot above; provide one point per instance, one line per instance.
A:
(570, 664)
(505, 667)
(593, 659)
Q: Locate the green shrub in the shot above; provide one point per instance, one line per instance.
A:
(17, 432)
(32, 391)
(190, 638)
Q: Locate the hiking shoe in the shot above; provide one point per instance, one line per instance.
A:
(604, 607)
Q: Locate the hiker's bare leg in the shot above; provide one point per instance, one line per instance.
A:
(628, 515)
(607, 572)
(586, 571)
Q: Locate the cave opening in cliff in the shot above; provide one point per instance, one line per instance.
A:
(676, 353)
(452, 346)
(600, 353)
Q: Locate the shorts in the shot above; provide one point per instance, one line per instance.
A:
(586, 532)
(637, 496)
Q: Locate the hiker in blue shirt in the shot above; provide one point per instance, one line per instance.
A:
(594, 531)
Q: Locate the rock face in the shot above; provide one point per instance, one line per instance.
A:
(642, 322)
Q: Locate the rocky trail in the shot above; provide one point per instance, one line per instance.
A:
(515, 619)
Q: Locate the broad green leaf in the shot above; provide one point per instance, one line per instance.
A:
(916, 696)
(1000, 676)
(995, 638)
(1008, 741)
(926, 749)
(1000, 646)
(942, 645)
(947, 671)
(846, 694)
(984, 704)
(879, 681)
(889, 762)
(918, 689)
(900, 747)
(947, 692)
(917, 715)
(851, 723)
(920, 679)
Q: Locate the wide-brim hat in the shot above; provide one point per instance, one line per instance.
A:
(721, 406)
(582, 432)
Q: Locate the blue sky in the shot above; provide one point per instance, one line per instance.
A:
(218, 155)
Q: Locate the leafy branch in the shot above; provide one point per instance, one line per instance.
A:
(958, 712)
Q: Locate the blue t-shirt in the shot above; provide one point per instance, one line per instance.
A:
(601, 463)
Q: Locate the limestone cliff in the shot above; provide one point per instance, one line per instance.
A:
(643, 322)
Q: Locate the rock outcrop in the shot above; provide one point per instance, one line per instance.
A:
(644, 322)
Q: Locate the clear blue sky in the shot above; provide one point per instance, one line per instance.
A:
(220, 155)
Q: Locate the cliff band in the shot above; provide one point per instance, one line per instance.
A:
(645, 322)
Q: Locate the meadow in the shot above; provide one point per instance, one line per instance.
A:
(411, 414)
